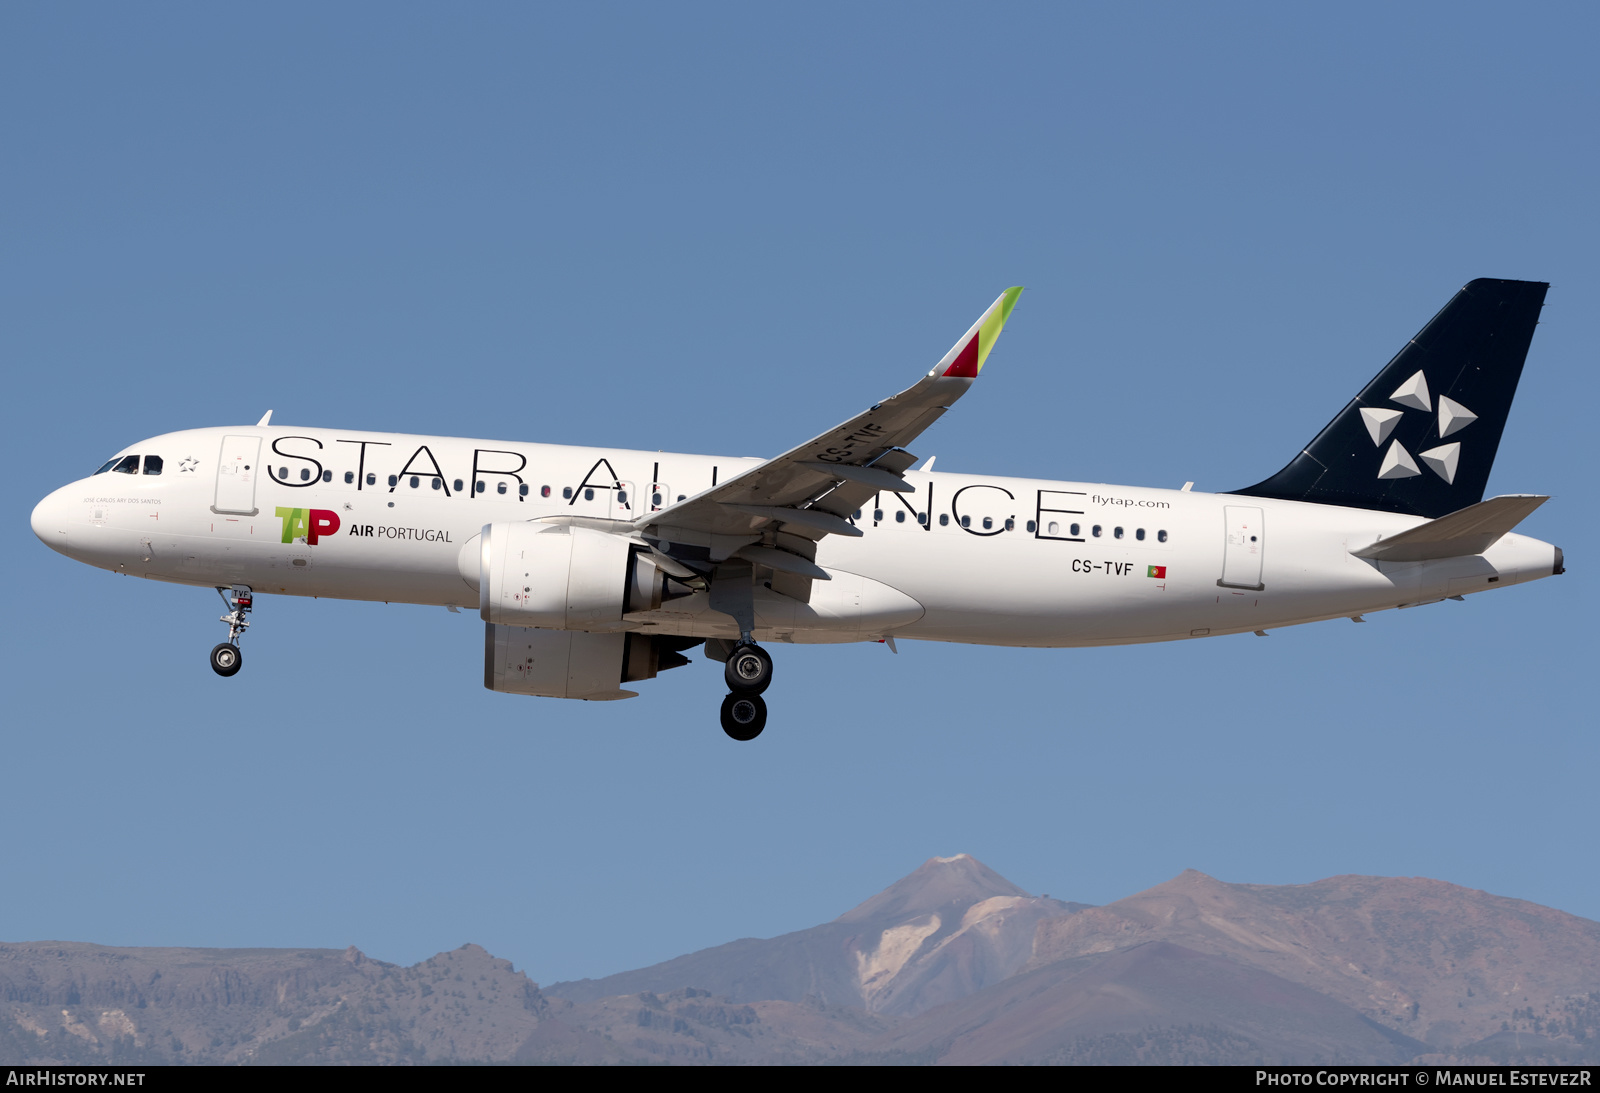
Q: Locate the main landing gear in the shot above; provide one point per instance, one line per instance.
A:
(226, 659)
(749, 669)
(748, 672)
(744, 716)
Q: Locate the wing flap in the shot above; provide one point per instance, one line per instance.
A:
(784, 562)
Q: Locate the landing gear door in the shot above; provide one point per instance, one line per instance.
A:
(237, 470)
(1242, 550)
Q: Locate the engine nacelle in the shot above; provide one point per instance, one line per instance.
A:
(574, 664)
(559, 577)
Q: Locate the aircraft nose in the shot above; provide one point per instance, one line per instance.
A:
(50, 520)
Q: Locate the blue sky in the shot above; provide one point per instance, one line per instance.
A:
(722, 229)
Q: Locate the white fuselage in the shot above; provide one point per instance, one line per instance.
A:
(976, 558)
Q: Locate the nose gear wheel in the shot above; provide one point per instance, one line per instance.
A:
(226, 659)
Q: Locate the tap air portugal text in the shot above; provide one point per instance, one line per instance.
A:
(597, 568)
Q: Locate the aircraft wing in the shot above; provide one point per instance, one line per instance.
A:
(811, 490)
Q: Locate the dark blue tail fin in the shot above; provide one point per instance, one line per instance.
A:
(1421, 437)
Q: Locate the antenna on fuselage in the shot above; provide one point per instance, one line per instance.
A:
(266, 419)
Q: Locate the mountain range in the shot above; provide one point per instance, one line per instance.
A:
(951, 964)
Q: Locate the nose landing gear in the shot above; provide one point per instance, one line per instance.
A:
(226, 659)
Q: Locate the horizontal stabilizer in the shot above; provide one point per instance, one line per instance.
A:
(1471, 530)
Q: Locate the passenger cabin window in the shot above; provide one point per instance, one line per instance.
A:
(877, 516)
(655, 498)
(900, 516)
(1139, 535)
(349, 477)
(988, 522)
(129, 464)
(1161, 536)
(327, 476)
(944, 519)
(372, 479)
(415, 481)
(522, 490)
(479, 487)
(566, 493)
(1033, 527)
(544, 491)
(588, 495)
(1011, 523)
(622, 497)
(394, 480)
(458, 485)
(438, 483)
(1116, 533)
(1075, 529)
(1096, 531)
(966, 521)
(305, 474)
(152, 464)
(500, 487)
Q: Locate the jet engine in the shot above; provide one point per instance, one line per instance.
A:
(553, 597)
(573, 663)
(560, 577)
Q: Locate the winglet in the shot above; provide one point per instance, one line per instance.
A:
(266, 419)
(966, 357)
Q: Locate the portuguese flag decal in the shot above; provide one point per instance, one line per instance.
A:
(1157, 571)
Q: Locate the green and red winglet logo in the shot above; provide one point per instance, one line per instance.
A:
(966, 357)
(308, 524)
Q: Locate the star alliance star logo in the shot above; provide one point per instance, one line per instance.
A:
(1397, 462)
(187, 465)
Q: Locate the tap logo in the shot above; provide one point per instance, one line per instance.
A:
(308, 524)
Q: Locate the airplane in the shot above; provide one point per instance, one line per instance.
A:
(594, 567)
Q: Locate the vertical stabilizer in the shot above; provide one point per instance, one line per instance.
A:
(1422, 436)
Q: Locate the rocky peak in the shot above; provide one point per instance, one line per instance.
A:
(938, 886)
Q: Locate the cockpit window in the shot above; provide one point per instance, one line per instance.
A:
(128, 464)
(152, 464)
(106, 466)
